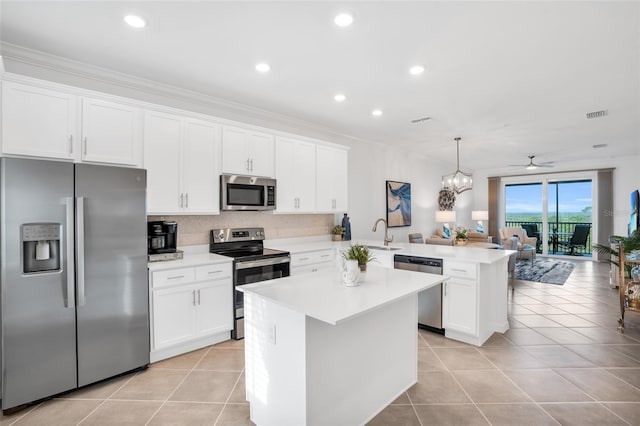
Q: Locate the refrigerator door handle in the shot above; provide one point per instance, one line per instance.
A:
(80, 249)
(70, 297)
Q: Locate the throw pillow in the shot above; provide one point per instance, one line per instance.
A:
(446, 232)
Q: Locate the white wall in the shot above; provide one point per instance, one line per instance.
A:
(626, 178)
(370, 166)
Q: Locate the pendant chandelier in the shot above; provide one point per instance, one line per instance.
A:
(458, 181)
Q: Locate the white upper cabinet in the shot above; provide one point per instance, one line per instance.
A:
(247, 152)
(110, 132)
(38, 122)
(162, 134)
(201, 167)
(182, 160)
(48, 123)
(296, 176)
(331, 181)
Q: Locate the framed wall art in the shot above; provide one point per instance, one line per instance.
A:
(398, 204)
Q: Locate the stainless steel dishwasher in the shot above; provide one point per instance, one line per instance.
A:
(430, 300)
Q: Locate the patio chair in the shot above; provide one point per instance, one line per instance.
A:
(532, 231)
(578, 238)
(416, 238)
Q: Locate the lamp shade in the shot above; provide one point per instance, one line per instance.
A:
(479, 215)
(445, 216)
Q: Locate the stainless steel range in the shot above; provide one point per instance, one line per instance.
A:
(251, 263)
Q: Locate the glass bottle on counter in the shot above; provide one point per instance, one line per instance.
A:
(347, 228)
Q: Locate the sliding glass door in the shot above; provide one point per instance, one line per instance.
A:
(569, 206)
(557, 213)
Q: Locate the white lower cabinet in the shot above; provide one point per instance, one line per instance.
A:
(312, 261)
(190, 308)
(460, 298)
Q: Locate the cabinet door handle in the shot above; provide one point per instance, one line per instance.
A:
(186, 200)
(303, 259)
(84, 145)
(252, 164)
(248, 165)
(181, 200)
(70, 144)
(458, 270)
(214, 272)
(176, 277)
(198, 296)
(193, 292)
(445, 289)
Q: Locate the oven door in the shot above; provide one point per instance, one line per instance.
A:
(252, 272)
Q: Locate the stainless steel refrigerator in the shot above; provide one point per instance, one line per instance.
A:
(74, 293)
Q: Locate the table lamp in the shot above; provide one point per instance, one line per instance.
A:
(444, 217)
(480, 215)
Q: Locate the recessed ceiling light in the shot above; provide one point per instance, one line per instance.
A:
(343, 20)
(416, 70)
(376, 112)
(263, 67)
(135, 21)
(339, 97)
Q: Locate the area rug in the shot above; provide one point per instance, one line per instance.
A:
(548, 271)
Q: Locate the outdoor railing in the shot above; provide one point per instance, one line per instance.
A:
(563, 232)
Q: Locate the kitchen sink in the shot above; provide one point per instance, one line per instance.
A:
(386, 248)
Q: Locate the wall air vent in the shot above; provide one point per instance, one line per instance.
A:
(598, 114)
(420, 120)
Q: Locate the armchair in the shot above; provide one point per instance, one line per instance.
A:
(509, 232)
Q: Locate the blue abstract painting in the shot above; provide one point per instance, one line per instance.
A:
(398, 203)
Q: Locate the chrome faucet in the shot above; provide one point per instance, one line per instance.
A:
(387, 240)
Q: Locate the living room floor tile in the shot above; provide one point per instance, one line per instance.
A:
(510, 357)
(536, 321)
(427, 360)
(603, 356)
(629, 375)
(489, 386)
(516, 414)
(125, 413)
(526, 336)
(462, 358)
(547, 386)
(629, 411)
(544, 309)
(401, 415)
(186, 413)
(436, 387)
(569, 320)
(583, 414)
(206, 386)
(600, 384)
(557, 356)
(606, 335)
(563, 335)
(451, 414)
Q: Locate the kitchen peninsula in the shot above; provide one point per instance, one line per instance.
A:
(318, 352)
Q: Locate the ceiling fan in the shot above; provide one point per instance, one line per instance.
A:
(532, 165)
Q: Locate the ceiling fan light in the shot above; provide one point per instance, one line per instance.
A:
(531, 167)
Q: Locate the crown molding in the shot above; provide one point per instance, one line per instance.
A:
(47, 61)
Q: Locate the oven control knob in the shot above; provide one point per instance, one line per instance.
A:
(259, 233)
(221, 236)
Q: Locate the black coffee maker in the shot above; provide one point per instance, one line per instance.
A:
(162, 237)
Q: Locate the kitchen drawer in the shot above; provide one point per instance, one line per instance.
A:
(460, 269)
(325, 256)
(213, 272)
(173, 277)
(301, 259)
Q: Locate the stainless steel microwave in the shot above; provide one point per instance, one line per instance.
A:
(247, 193)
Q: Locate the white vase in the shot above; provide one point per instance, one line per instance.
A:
(351, 273)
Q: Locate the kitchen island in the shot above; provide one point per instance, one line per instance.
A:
(320, 353)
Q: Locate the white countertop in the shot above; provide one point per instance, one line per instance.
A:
(457, 253)
(321, 295)
(193, 256)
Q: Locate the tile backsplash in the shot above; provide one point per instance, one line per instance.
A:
(194, 230)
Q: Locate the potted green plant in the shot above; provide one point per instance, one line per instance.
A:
(461, 235)
(337, 232)
(629, 243)
(360, 253)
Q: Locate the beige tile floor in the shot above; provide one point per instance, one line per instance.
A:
(563, 361)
